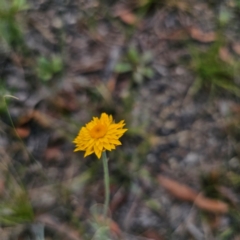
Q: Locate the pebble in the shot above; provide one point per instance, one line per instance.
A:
(57, 23)
(234, 162)
(42, 198)
(184, 138)
(173, 162)
(224, 108)
(191, 158)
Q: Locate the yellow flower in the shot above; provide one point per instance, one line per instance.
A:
(99, 135)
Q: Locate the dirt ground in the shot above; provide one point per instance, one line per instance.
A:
(170, 69)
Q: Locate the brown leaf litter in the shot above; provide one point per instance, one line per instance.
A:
(185, 193)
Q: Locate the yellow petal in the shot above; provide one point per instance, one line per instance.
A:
(99, 145)
(107, 146)
(88, 152)
(97, 151)
(116, 142)
(90, 142)
(112, 146)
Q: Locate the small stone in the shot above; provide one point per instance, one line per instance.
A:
(180, 70)
(57, 23)
(151, 158)
(70, 18)
(173, 162)
(224, 108)
(234, 162)
(183, 138)
(170, 124)
(42, 198)
(161, 70)
(191, 158)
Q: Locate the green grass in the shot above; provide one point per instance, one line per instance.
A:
(10, 30)
(17, 210)
(212, 73)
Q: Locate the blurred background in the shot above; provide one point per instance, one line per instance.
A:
(170, 69)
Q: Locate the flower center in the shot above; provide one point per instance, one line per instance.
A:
(98, 131)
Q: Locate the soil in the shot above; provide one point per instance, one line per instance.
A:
(176, 175)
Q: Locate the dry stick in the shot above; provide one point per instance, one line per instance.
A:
(11, 121)
(17, 178)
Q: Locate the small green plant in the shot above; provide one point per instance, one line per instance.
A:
(18, 210)
(136, 64)
(3, 91)
(232, 231)
(146, 7)
(225, 15)
(47, 68)
(10, 29)
(237, 3)
(212, 72)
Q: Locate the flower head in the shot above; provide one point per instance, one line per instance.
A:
(99, 135)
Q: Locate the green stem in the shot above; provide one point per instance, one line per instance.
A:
(106, 183)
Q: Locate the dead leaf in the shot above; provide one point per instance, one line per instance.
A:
(115, 228)
(178, 190)
(25, 118)
(176, 35)
(236, 48)
(201, 36)
(225, 56)
(65, 100)
(22, 132)
(53, 154)
(128, 17)
(184, 192)
(41, 118)
(152, 234)
(211, 205)
(111, 83)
